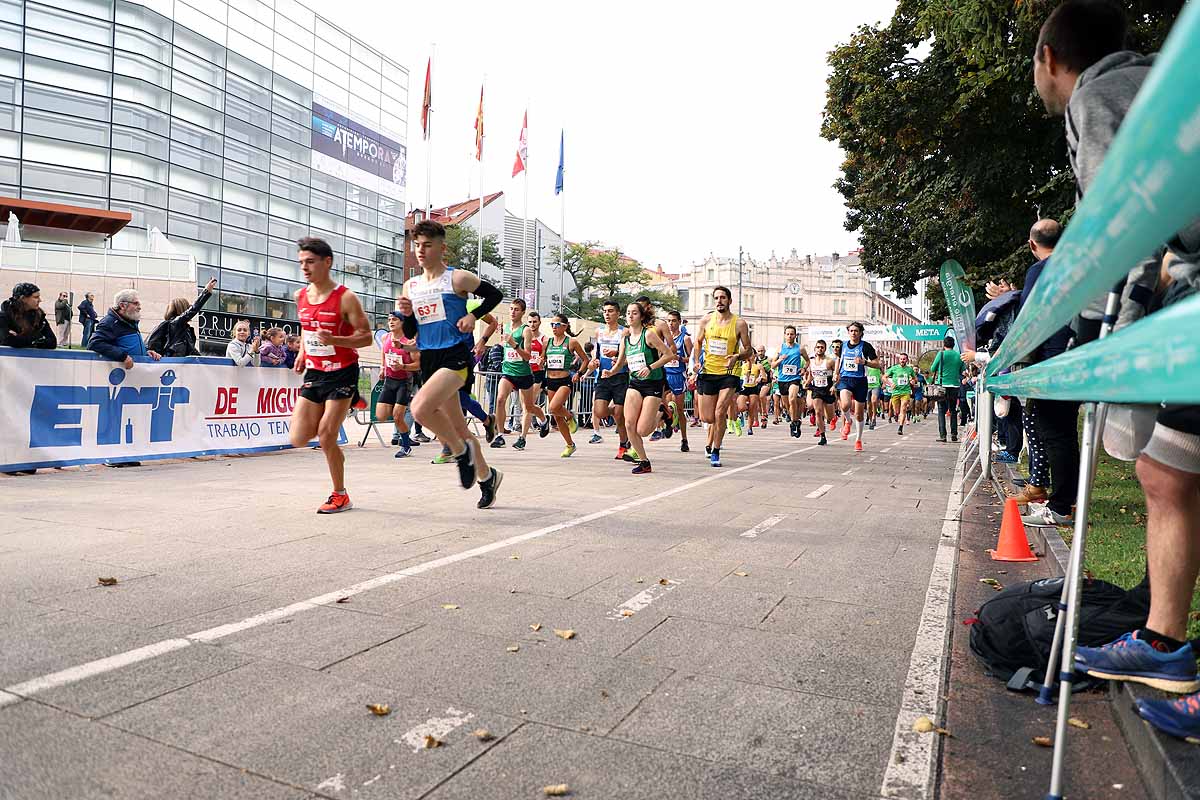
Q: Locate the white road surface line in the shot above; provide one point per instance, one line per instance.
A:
(641, 600)
(20, 691)
(886, 450)
(766, 524)
(847, 472)
(912, 764)
(815, 493)
(437, 727)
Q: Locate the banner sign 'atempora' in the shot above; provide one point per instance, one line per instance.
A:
(61, 408)
(881, 333)
(345, 149)
(1147, 189)
(1151, 361)
(961, 302)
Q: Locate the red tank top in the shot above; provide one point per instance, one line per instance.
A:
(324, 316)
(393, 357)
(537, 354)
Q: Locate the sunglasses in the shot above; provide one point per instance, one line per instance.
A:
(557, 324)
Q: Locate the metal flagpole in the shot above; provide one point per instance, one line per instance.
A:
(429, 141)
(525, 235)
(479, 261)
(562, 248)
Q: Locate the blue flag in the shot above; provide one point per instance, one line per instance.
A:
(558, 181)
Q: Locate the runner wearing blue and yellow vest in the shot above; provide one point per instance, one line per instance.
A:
(723, 341)
(515, 373)
(789, 367)
(434, 305)
(676, 371)
(610, 391)
(856, 356)
(645, 353)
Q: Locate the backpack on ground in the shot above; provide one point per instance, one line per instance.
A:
(1015, 629)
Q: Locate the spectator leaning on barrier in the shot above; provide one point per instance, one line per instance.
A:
(947, 373)
(273, 352)
(292, 342)
(87, 317)
(242, 349)
(174, 335)
(22, 321)
(117, 337)
(62, 318)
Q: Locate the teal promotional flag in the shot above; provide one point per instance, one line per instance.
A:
(961, 302)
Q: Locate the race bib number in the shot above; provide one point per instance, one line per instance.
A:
(673, 363)
(313, 346)
(429, 309)
(535, 359)
(789, 370)
(820, 381)
(848, 365)
(395, 361)
(511, 355)
(718, 347)
(637, 362)
(556, 361)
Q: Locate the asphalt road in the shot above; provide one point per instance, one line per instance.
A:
(738, 633)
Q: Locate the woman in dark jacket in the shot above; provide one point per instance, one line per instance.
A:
(22, 321)
(174, 335)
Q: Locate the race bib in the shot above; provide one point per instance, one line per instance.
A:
(313, 346)
(718, 347)
(395, 361)
(429, 309)
(637, 361)
(848, 365)
(535, 359)
(556, 361)
(789, 370)
(511, 355)
(820, 381)
(673, 363)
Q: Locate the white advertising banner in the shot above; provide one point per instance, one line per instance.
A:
(62, 407)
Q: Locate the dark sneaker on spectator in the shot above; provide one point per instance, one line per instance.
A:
(1005, 457)
(395, 439)
(489, 428)
(403, 452)
(1180, 717)
(498, 441)
(519, 444)
(1045, 518)
(1132, 659)
(596, 439)
(421, 437)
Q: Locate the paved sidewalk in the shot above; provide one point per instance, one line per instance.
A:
(772, 611)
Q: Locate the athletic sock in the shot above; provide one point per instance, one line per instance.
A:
(405, 439)
(858, 429)
(1163, 644)
(340, 491)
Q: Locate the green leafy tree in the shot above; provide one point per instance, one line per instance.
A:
(951, 155)
(601, 274)
(462, 249)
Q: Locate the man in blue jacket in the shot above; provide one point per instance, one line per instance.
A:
(88, 317)
(117, 337)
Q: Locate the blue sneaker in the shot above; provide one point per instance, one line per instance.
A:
(714, 458)
(1179, 717)
(403, 452)
(1005, 457)
(1132, 659)
(656, 436)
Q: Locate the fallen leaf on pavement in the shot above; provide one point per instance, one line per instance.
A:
(430, 742)
(342, 600)
(557, 790)
(1076, 722)
(537, 626)
(564, 634)
(664, 582)
(923, 725)
(512, 648)
(1043, 741)
(379, 709)
(483, 734)
(107, 581)
(640, 580)
(515, 558)
(449, 606)
(992, 582)
(741, 574)
(625, 612)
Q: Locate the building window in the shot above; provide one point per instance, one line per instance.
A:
(712, 274)
(839, 280)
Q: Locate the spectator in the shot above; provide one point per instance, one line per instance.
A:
(494, 362)
(87, 317)
(947, 373)
(243, 349)
(293, 349)
(273, 353)
(62, 318)
(22, 321)
(117, 337)
(174, 335)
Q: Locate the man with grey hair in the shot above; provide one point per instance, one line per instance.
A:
(117, 337)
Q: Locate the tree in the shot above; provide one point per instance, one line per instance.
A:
(952, 155)
(601, 274)
(462, 249)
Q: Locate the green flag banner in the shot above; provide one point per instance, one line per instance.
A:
(881, 333)
(1147, 189)
(1155, 360)
(961, 302)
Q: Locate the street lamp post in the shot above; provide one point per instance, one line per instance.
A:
(739, 280)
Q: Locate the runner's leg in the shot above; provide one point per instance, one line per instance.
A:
(559, 410)
(633, 405)
(437, 408)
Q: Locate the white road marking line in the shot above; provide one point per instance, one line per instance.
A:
(886, 450)
(872, 458)
(766, 524)
(912, 764)
(847, 472)
(335, 784)
(437, 727)
(641, 600)
(20, 691)
(815, 493)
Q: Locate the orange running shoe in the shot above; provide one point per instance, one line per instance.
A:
(846, 430)
(858, 446)
(336, 504)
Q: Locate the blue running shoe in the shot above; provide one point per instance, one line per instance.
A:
(1179, 717)
(403, 452)
(714, 458)
(656, 436)
(1132, 659)
(1005, 457)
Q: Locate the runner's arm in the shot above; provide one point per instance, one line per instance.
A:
(408, 321)
(618, 362)
(873, 361)
(576, 348)
(352, 312)
(743, 335)
(699, 348)
(465, 282)
(666, 354)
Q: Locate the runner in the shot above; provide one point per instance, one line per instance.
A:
(789, 366)
(676, 370)
(833, 409)
(438, 297)
(901, 378)
(666, 427)
(919, 398)
(645, 353)
(748, 395)
(724, 339)
(610, 391)
(560, 347)
(334, 327)
(857, 356)
(516, 374)
(874, 384)
(398, 368)
(537, 360)
(820, 383)
(764, 386)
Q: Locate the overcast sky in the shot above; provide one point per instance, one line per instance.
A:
(690, 127)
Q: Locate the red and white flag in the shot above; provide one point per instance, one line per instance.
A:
(427, 104)
(522, 148)
(479, 128)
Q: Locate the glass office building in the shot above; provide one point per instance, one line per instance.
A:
(235, 129)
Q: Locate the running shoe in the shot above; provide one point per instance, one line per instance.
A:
(498, 441)
(817, 434)
(443, 458)
(569, 451)
(737, 427)
(544, 429)
(823, 440)
(1045, 518)
(643, 468)
(487, 489)
(656, 436)
(846, 429)
(403, 452)
(872, 424)
(667, 430)
(596, 439)
(750, 430)
(519, 444)
(489, 428)
(708, 449)
(1179, 717)
(715, 458)
(631, 456)
(466, 466)
(414, 442)
(620, 456)
(1132, 659)
(395, 439)
(421, 437)
(573, 425)
(954, 438)
(683, 447)
(812, 419)
(858, 446)
(1005, 457)
(336, 504)
(900, 430)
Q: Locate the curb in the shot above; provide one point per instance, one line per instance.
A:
(1168, 767)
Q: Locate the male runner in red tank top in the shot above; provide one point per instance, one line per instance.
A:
(333, 327)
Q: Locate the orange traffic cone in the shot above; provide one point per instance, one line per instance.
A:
(1013, 544)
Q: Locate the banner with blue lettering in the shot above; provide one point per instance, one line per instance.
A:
(63, 407)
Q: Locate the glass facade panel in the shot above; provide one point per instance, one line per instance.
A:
(67, 23)
(242, 217)
(63, 179)
(138, 191)
(141, 117)
(196, 136)
(195, 205)
(138, 16)
(147, 69)
(82, 131)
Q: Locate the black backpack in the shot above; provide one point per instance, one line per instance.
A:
(1014, 630)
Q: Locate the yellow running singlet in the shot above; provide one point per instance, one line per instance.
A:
(720, 344)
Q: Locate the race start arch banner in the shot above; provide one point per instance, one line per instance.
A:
(62, 408)
(881, 333)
